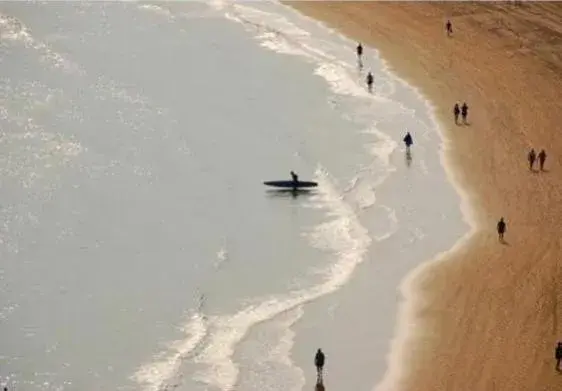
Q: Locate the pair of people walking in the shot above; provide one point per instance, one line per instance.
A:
(462, 111)
(532, 158)
(370, 79)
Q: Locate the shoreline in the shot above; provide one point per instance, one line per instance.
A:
(418, 103)
(344, 87)
(420, 295)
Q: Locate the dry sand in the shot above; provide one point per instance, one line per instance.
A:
(488, 315)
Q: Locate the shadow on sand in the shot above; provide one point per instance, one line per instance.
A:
(538, 170)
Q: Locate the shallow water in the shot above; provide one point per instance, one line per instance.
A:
(140, 249)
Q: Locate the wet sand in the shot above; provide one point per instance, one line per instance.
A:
(487, 315)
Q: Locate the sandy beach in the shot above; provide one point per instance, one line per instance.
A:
(485, 316)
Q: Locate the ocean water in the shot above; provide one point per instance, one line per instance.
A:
(139, 249)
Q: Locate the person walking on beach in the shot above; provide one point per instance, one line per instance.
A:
(359, 51)
(449, 28)
(319, 361)
(531, 157)
(464, 112)
(501, 229)
(542, 158)
(558, 356)
(370, 79)
(456, 112)
(408, 141)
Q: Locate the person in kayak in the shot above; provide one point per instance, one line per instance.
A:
(295, 177)
(319, 360)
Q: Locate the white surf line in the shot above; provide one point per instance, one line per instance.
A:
(398, 348)
(156, 375)
(228, 330)
(406, 328)
(282, 351)
(278, 33)
(214, 343)
(174, 16)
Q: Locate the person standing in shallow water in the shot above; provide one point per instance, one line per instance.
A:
(501, 229)
(359, 51)
(542, 159)
(531, 157)
(408, 141)
(456, 113)
(370, 80)
(319, 360)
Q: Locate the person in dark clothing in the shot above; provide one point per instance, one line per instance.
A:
(558, 356)
(295, 177)
(319, 361)
(408, 141)
(464, 112)
(531, 157)
(449, 28)
(542, 158)
(370, 80)
(456, 112)
(501, 229)
(359, 51)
